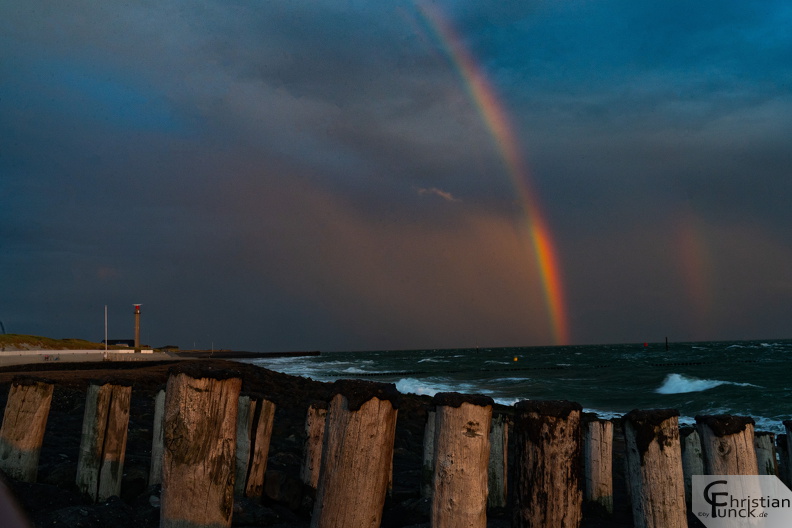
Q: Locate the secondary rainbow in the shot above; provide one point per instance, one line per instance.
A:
(494, 115)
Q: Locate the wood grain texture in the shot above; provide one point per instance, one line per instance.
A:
(728, 445)
(548, 473)
(158, 439)
(462, 449)
(654, 469)
(598, 464)
(356, 461)
(314, 434)
(22, 432)
(498, 474)
(263, 419)
(100, 464)
(200, 448)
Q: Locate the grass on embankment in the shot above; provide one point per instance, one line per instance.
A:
(29, 342)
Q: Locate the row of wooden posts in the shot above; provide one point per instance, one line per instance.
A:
(210, 444)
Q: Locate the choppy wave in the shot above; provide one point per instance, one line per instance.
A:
(680, 384)
(354, 370)
(421, 387)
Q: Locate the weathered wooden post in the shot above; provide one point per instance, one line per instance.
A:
(462, 449)
(728, 444)
(598, 463)
(692, 459)
(427, 467)
(654, 468)
(245, 412)
(157, 441)
(766, 461)
(200, 446)
(100, 463)
(263, 418)
(784, 466)
(498, 462)
(314, 435)
(548, 488)
(356, 456)
(786, 451)
(24, 422)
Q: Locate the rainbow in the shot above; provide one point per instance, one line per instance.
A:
(695, 264)
(494, 115)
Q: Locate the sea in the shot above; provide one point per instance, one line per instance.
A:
(746, 378)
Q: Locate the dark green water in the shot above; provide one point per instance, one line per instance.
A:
(746, 378)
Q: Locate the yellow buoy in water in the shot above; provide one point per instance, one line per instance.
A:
(515, 358)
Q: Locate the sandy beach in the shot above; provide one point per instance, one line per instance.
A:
(54, 501)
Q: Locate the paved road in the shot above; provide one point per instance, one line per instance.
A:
(20, 357)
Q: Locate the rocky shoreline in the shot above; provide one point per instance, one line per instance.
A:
(54, 501)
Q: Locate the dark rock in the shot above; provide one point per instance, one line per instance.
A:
(283, 488)
(248, 512)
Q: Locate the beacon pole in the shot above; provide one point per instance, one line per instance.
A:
(137, 328)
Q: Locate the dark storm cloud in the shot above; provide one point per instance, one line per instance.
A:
(316, 175)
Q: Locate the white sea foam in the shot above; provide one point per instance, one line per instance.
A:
(354, 370)
(414, 386)
(680, 384)
(430, 387)
(432, 360)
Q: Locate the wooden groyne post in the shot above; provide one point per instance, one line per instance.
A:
(427, 465)
(598, 463)
(548, 473)
(263, 417)
(244, 432)
(24, 422)
(314, 435)
(654, 468)
(462, 451)
(357, 455)
(766, 460)
(100, 463)
(728, 444)
(499, 462)
(158, 439)
(692, 458)
(784, 467)
(200, 445)
(784, 447)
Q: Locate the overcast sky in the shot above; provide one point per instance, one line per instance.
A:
(316, 175)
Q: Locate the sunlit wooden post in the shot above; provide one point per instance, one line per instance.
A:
(728, 444)
(263, 419)
(100, 464)
(314, 434)
(157, 441)
(200, 446)
(548, 473)
(766, 461)
(598, 463)
(356, 456)
(24, 422)
(462, 449)
(654, 468)
(498, 462)
(692, 459)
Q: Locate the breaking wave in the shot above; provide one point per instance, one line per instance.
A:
(680, 384)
